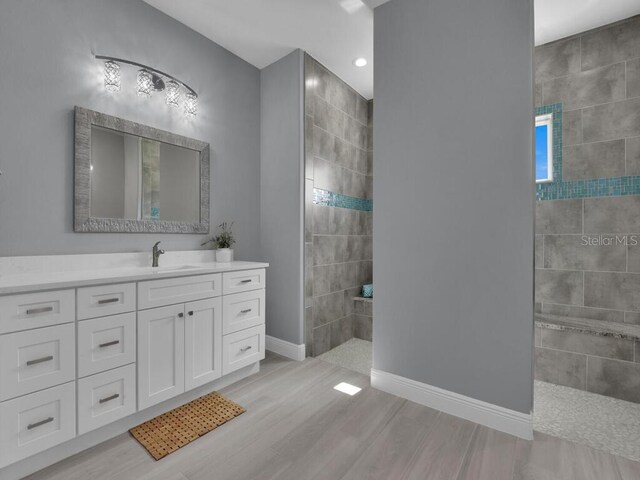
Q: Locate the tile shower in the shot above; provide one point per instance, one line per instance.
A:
(587, 248)
(338, 210)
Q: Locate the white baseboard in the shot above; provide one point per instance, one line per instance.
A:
(492, 416)
(286, 349)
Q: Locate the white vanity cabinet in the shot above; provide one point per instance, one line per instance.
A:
(76, 359)
(179, 346)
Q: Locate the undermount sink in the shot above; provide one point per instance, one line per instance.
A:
(174, 268)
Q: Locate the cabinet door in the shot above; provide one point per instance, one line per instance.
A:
(160, 354)
(203, 342)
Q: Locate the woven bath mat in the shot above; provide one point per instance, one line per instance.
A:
(172, 430)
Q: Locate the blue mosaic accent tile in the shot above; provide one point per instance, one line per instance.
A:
(333, 199)
(561, 190)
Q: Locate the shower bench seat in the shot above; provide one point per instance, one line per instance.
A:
(593, 355)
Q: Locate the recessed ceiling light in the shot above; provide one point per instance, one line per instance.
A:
(360, 62)
(347, 388)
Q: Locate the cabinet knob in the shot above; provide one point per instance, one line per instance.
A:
(180, 315)
(191, 313)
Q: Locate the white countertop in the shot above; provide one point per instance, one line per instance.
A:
(52, 280)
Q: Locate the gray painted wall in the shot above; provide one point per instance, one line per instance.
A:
(47, 68)
(453, 237)
(281, 194)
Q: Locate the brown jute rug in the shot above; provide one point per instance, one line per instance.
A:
(172, 430)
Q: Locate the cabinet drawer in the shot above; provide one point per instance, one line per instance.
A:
(243, 281)
(36, 422)
(106, 343)
(36, 359)
(242, 348)
(106, 300)
(106, 397)
(242, 310)
(157, 293)
(35, 310)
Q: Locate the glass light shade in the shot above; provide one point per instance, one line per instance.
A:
(145, 83)
(173, 93)
(191, 103)
(112, 76)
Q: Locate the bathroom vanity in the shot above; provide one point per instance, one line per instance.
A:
(86, 354)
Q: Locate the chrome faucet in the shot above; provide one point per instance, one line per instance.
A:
(156, 254)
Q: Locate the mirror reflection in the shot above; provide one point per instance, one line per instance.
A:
(137, 178)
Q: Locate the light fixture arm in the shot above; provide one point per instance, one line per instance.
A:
(150, 69)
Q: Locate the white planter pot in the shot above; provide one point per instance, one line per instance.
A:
(224, 255)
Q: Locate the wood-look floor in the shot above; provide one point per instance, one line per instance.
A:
(298, 427)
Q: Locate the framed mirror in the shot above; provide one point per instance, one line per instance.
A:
(132, 178)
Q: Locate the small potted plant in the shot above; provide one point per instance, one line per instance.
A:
(223, 243)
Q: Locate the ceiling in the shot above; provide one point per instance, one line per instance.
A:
(335, 32)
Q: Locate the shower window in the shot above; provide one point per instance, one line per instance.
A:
(544, 148)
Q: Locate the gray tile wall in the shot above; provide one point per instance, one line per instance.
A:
(604, 365)
(338, 241)
(596, 77)
(587, 251)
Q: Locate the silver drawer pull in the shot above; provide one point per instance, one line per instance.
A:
(40, 423)
(244, 349)
(39, 360)
(108, 344)
(245, 281)
(108, 300)
(245, 311)
(109, 398)
(33, 311)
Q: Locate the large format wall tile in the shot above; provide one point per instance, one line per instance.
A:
(327, 175)
(559, 216)
(341, 330)
(561, 368)
(328, 249)
(571, 252)
(328, 308)
(593, 160)
(323, 144)
(539, 255)
(328, 117)
(557, 59)
(356, 133)
(633, 78)
(611, 121)
(537, 95)
(633, 156)
(611, 214)
(571, 127)
(633, 253)
(363, 327)
(558, 286)
(354, 184)
(582, 89)
(618, 348)
(614, 378)
(618, 291)
(605, 315)
(321, 339)
(333, 278)
(617, 43)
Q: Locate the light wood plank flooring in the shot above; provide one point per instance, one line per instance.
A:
(298, 427)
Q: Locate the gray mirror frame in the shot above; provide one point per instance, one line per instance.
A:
(84, 222)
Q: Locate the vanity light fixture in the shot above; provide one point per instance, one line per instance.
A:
(360, 62)
(173, 93)
(191, 104)
(112, 76)
(150, 80)
(144, 83)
